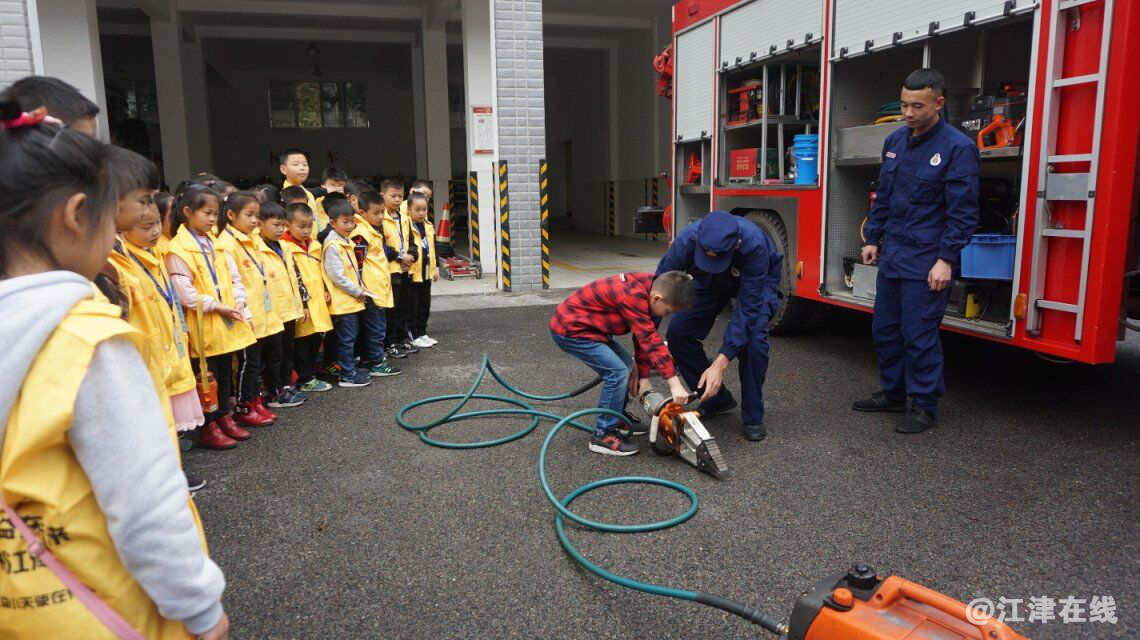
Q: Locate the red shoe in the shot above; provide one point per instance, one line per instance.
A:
(231, 428)
(212, 437)
(246, 415)
(258, 406)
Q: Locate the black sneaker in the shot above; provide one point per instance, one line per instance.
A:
(612, 444)
(917, 420)
(394, 351)
(705, 412)
(879, 401)
(194, 482)
(382, 370)
(755, 432)
(407, 347)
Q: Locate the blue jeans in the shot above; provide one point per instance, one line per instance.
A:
(612, 363)
(370, 342)
(346, 327)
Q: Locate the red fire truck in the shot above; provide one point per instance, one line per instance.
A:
(780, 109)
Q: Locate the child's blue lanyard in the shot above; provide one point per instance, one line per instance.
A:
(257, 264)
(348, 254)
(165, 293)
(209, 264)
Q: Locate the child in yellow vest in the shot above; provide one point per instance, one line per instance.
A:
(424, 270)
(347, 291)
(401, 255)
(315, 320)
(160, 319)
(285, 289)
(85, 455)
(237, 237)
(369, 240)
(333, 180)
(295, 167)
(208, 280)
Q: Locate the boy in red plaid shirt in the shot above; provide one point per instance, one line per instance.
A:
(585, 324)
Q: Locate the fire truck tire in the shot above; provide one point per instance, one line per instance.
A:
(793, 313)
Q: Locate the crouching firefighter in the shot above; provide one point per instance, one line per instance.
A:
(728, 257)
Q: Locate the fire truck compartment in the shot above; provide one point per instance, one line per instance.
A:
(986, 68)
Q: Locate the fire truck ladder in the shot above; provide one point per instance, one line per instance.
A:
(1055, 186)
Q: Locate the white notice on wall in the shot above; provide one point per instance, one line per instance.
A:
(483, 119)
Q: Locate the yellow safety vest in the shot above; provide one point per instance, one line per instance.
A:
(282, 277)
(254, 276)
(318, 208)
(417, 269)
(342, 303)
(162, 248)
(41, 479)
(211, 274)
(375, 272)
(309, 263)
(139, 316)
(163, 323)
(397, 237)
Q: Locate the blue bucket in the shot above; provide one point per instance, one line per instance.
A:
(805, 150)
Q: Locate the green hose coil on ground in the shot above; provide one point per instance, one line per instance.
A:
(522, 408)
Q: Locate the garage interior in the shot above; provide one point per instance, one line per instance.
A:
(377, 69)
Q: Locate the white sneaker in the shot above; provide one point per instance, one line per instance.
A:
(422, 342)
(430, 339)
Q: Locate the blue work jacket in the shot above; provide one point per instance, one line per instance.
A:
(926, 207)
(753, 279)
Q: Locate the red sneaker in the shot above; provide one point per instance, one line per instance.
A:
(247, 415)
(213, 438)
(232, 429)
(259, 406)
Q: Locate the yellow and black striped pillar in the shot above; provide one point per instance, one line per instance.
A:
(610, 208)
(473, 214)
(653, 200)
(544, 220)
(505, 226)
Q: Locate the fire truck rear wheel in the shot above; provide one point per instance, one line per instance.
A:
(793, 313)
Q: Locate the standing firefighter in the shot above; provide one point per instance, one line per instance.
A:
(728, 257)
(925, 211)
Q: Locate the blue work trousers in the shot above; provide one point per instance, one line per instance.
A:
(685, 333)
(612, 364)
(346, 326)
(370, 341)
(905, 330)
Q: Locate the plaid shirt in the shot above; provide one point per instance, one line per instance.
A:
(616, 306)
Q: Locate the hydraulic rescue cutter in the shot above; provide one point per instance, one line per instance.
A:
(674, 431)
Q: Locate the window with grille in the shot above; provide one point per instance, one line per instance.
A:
(318, 105)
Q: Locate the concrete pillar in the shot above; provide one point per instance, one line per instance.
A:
(437, 125)
(69, 40)
(197, 106)
(418, 114)
(166, 42)
(521, 128)
(482, 139)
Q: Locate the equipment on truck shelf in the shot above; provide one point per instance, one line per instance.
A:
(745, 165)
(997, 119)
(746, 102)
(693, 172)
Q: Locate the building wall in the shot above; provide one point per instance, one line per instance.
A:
(522, 129)
(577, 112)
(243, 146)
(15, 42)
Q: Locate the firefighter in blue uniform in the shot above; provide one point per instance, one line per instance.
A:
(925, 211)
(728, 257)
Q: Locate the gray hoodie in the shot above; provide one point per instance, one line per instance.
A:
(120, 438)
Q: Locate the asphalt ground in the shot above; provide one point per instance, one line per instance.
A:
(337, 523)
